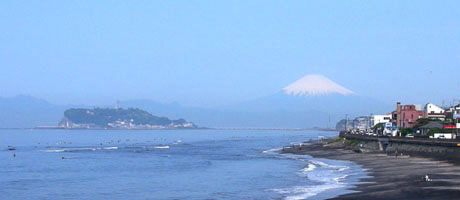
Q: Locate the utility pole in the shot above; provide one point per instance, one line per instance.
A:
(370, 121)
(346, 123)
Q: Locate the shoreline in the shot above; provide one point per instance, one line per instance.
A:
(390, 177)
(198, 128)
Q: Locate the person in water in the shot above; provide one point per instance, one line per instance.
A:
(427, 178)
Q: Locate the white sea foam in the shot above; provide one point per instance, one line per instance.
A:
(322, 164)
(326, 176)
(338, 179)
(79, 149)
(309, 168)
(176, 142)
(304, 192)
(343, 169)
(272, 150)
(54, 150)
(161, 147)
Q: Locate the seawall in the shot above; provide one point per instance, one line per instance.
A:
(435, 148)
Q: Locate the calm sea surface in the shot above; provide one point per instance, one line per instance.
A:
(166, 164)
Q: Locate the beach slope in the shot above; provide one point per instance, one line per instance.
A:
(391, 176)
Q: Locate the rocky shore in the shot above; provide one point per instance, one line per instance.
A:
(392, 176)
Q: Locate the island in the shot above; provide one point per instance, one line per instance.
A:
(118, 118)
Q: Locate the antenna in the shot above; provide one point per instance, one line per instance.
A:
(346, 122)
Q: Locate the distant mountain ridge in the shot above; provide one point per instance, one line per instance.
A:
(24, 111)
(312, 101)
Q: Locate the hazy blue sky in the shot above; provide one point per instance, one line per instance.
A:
(218, 52)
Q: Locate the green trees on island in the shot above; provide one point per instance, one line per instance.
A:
(103, 116)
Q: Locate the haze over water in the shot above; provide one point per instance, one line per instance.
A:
(169, 164)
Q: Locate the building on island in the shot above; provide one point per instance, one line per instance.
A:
(405, 115)
(344, 125)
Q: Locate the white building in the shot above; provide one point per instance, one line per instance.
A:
(435, 112)
(361, 123)
(377, 119)
(456, 115)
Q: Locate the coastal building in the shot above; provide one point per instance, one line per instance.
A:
(456, 118)
(389, 128)
(425, 129)
(377, 119)
(362, 123)
(452, 112)
(405, 115)
(435, 112)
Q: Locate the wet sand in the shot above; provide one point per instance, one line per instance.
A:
(391, 177)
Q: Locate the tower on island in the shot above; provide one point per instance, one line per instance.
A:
(117, 104)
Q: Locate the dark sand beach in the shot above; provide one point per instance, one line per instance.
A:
(391, 177)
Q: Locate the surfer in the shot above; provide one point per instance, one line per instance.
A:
(427, 178)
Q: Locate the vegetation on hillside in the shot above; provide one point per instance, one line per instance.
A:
(103, 116)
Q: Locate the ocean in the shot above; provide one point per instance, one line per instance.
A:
(167, 164)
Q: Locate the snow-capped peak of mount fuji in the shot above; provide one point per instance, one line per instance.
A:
(315, 85)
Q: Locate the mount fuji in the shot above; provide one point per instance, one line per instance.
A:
(312, 101)
(315, 85)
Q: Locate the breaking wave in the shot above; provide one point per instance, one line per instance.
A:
(325, 175)
(161, 147)
(79, 149)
